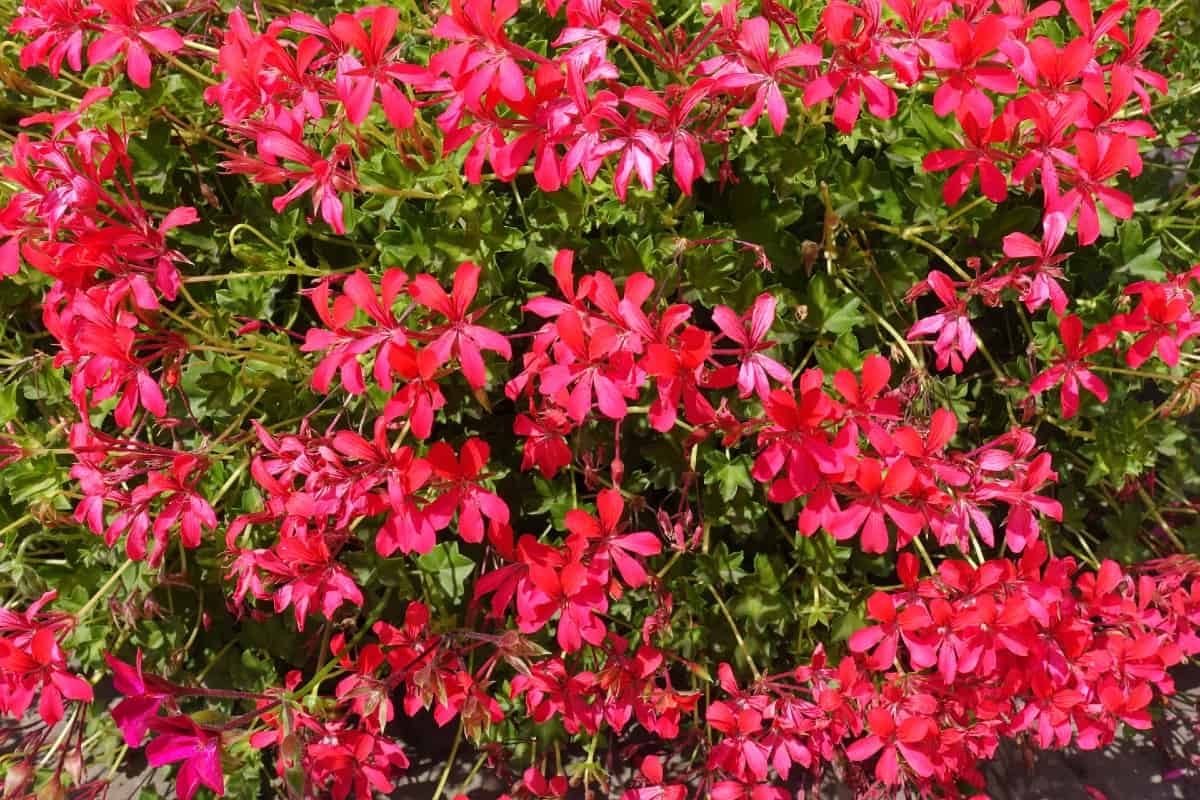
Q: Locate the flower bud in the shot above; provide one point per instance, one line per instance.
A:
(17, 776)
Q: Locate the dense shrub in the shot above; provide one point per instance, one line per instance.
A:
(673, 400)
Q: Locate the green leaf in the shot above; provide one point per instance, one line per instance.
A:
(448, 567)
(8, 403)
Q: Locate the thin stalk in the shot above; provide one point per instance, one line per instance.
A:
(203, 48)
(908, 236)
(245, 355)
(410, 194)
(82, 614)
(234, 276)
(667, 567)
(117, 761)
(462, 787)
(1137, 373)
(924, 555)
(978, 201)
(58, 740)
(245, 226)
(882, 322)
(200, 676)
(458, 737)
(17, 523)
(198, 75)
(1158, 517)
(737, 634)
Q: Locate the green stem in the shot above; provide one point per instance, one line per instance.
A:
(882, 322)
(331, 666)
(737, 634)
(237, 473)
(978, 201)
(234, 276)
(248, 227)
(240, 418)
(462, 787)
(212, 662)
(200, 76)
(908, 236)
(117, 761)
(410, 194)
(82, 614)
(458, 737)
(667, 567)
(925, 555)
(17, 523)
(203, 48)
(62, 734)
(1137, 373)
(247, 355)
(1158, 517)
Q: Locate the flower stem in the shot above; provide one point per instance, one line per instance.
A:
(458, 737)
(737, 634)
(200, 76)
(82, 614)
(410, 194)
(1137, 373)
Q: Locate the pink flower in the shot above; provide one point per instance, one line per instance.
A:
(481, 63)
(1070, 369)
(126, 31)
(1099, 158)
(761, 70)
(623, 549)
(324, 177)
(459, 336)
(181, 739)
(908, 738)
(963, 59)
(57, 29)
(458, 479)
(876, 501)
(655, 788)
(854, 33)
(979, 156)
(545, 441)
(356, 83)
(143, 697)
(750, 332)
(955, 341)
(1043, 287)
(38, 667)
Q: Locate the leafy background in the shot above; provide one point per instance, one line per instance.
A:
(847, 223)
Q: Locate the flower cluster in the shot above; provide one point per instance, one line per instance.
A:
(848, 454)
(1161, 323)
(34, 673)
(165, 494)
(960, 660)
(576, 624)
(1031, 113)
(78, 218)
(34, 664)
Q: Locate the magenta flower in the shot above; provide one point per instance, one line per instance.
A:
(125, 31)
(1070, 369)
(754, 368)
(955, 343)
(459, 336)
(181, 739)
(143, 697)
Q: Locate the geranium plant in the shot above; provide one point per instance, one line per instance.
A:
(670, 400)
